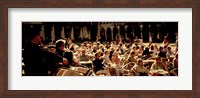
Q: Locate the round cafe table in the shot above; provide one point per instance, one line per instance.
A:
(86, 63)
(159, 72)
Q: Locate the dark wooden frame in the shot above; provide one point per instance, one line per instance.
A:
(5, 4)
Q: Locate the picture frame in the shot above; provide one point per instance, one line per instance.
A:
(5, 4)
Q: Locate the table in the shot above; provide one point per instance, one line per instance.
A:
(68, 72)
(159, 72)
(80, 69)
(86, 63)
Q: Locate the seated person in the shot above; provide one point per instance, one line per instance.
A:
(169, 52)
(61, 52)
(175, 61)
(132, 57)
(140, 69)
(146, 53)
(111, 52)
(158, 65)
(165, 41)
(116, 63)
(162, 53)
(99, 67)
(153, 50)
(94, 48)
(115, 59)
(60, 46)
(83, 56)
(106, 57)
(36, 59)
(120, 50)
(97, 62)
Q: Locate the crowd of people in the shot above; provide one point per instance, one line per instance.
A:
(113, 58)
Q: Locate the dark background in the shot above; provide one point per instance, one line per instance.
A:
(132, 31)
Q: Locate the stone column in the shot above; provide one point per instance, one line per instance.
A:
(118, 27)
(105, 32)
(63, 33)
(150, 35)
(112, 37)
(141, 26)
(53, 34)
(42, 33)
(99, 28)
(72, 33)
(81, 33)
(125, 32)
(158, 35)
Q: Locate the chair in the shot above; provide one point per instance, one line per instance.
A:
(134, 71)
(129, 65)
(89, 73)
(148, 63)
(71, 73)
(60, 72)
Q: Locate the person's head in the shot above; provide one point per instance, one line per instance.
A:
(107, 53)
(132, 53)
(101, 46)
(142, 47)
(107, 46)
(161, 49)
(94, 47)
(128, 45)
(115, 54)
(98, 43)
(83, 51)
(152, 47)
(134, 47)
(112, 49)
(119, 47)
(89, 46)
(140, 62)
(60, 45)
(165, 49)
(34, 34)
(120, 44)
(97, 55)
(82, 45)
(169, 49)
(158, 59)
(147, 49)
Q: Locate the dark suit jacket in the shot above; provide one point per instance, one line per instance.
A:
(37, 60)
(98, 65)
